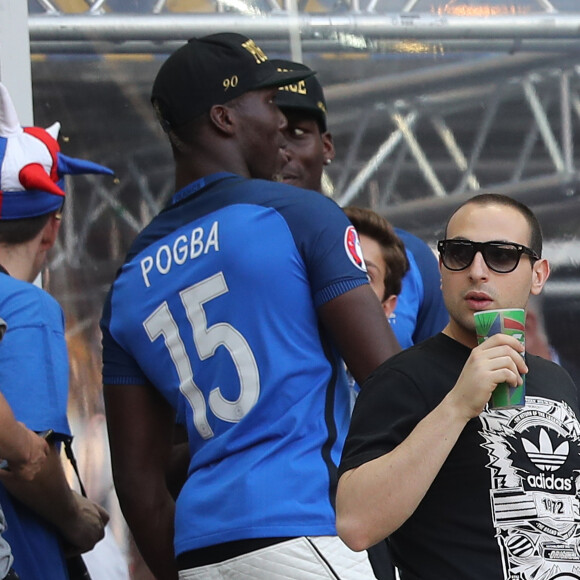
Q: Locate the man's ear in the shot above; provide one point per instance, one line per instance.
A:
(540, 274)
(389, 304)
(50, 232)
(328, 146)
(223, 119)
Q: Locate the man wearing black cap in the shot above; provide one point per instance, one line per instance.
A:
(308, 148)
(309, 145)
(420, 312)
(230, 313)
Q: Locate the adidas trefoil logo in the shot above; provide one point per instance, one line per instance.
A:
(546, 457)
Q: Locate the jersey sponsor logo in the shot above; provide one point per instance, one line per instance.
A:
(184, 248)
(353, 248)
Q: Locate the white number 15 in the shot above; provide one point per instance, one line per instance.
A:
(207, 340)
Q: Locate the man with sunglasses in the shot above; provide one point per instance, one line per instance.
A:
(464, 491)
(419, 312)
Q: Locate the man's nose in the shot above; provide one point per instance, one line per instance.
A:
(285, 152)
(478, 267)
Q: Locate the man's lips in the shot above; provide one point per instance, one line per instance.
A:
(288, 177)
(478, 300)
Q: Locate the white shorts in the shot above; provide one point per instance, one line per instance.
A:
(312, 558)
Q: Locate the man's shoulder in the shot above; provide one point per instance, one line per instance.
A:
(224, 190)
(538, 364)
(13, 290)
(422, 356)
(25, 303)
(225, 181)
(419, 248)
(292, 193)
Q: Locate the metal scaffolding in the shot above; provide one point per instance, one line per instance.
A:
(429, 102)
(529, 63)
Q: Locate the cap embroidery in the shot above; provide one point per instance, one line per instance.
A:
(255, 51)
(230, 83)
(299, 87)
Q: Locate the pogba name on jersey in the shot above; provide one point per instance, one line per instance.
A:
(184, 248)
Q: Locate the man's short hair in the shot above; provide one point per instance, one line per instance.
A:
(20, 231)
(376, 227)
(535, 242)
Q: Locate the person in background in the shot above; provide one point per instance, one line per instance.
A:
(420, 311)
(384, 255)
(387, 264)
(462, 489)
(234, 310)
(46, 519)
(23, 452)
(538, 341)
(308, 149)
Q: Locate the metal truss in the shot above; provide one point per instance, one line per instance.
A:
(514, 134)
(406, 108)
(429, 103)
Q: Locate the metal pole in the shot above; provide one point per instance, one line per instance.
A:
(375, 162)
(15, 56)
(396, 26)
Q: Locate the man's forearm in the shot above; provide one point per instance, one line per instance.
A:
(373, 500)
(360, 329)
(140, 452)
(14, 442)
(49, 494)
(151, 522)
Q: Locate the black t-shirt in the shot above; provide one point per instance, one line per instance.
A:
(505, 504)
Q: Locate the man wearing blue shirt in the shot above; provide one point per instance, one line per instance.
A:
(46, 520)
(420, 312)
(233, 311)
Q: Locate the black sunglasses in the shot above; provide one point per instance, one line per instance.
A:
(501, 257)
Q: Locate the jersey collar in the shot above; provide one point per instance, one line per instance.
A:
(200, 184)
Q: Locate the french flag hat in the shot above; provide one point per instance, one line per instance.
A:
(32, 168)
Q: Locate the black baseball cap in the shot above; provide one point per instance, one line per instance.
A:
(213, 70)
(306, 96)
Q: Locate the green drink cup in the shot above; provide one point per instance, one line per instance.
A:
(510, 321)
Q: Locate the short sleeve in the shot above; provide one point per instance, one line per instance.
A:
(34, 368)
(387, 409)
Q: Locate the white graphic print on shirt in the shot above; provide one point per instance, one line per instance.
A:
(534, 455)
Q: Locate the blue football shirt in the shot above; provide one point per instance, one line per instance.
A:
(216, 307)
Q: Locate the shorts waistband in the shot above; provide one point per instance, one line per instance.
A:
(222, 552)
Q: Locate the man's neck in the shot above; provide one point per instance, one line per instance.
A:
(461, 335)
(190, 169)
(19, 261)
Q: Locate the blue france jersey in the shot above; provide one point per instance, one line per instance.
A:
(34, 379)
(420, 312)
(216, 307)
